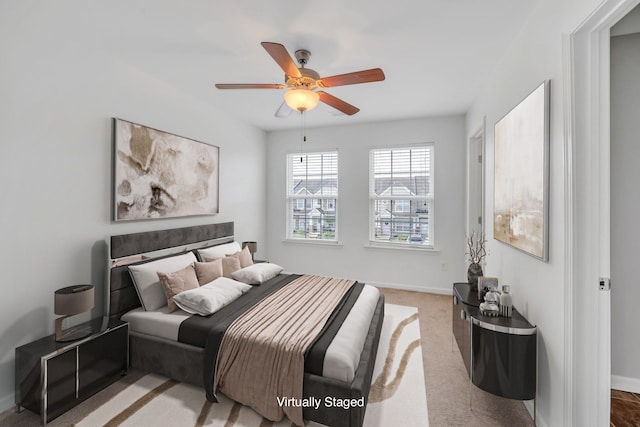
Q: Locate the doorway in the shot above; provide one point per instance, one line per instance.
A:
(625, 203)
(475, 183)
(588, 216)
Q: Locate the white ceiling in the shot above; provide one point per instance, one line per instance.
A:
(434, 53)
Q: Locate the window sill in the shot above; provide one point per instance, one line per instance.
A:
(313, 242)
(401, 247)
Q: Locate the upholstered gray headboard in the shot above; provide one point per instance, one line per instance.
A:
(121, 296)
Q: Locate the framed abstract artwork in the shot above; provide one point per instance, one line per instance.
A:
(521, 185)
(157, 174)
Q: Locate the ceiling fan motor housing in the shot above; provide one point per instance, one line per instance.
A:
(308, 79)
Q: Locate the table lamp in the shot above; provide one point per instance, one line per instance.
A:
(68, 302)
(253, 247)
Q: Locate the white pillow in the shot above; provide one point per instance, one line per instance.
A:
(209, 298)
(257, 274)
(220, 251)
(147, 283)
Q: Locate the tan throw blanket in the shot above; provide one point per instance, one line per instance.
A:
(261, 359)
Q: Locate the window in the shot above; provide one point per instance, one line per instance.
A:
(312, 193)
(401, 195)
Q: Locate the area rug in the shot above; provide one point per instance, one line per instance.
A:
(397, 397)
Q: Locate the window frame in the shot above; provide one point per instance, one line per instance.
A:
(292, 199)
(430, 198)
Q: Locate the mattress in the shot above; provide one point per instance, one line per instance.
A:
(342, 355)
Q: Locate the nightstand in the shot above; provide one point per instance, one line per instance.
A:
(53, 377)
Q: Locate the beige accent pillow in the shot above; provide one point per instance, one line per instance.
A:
(230, 263)
(208, 271)
(245, 257)
(177, 282)
(145, 278)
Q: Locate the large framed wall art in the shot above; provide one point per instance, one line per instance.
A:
(521, 185)
(157, 174)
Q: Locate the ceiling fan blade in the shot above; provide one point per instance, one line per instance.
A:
(284, 110)
(364, 76)
(338, 103)
(279, 54)
(249, 86)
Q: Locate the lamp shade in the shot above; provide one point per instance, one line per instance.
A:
(301, 99)
(74, 300)
(253, 246)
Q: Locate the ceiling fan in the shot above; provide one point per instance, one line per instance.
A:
(303, 84)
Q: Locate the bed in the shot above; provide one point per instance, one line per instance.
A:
(162, 354)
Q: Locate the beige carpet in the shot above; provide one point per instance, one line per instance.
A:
(453, 401)
(447, 384)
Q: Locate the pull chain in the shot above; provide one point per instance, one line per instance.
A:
(304, 127)
(303, 136)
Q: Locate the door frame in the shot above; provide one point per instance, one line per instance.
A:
(586, 73)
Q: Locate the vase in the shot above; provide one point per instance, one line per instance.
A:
(473, 272)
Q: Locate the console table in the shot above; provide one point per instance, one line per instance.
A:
(500, 353)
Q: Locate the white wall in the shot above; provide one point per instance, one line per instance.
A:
(59, 89)
(625, 205)
(537, 287)
(409, 269)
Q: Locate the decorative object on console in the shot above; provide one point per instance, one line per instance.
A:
(491, 304)
(161, 175)
(506, 301)
(521, 194)
(484, 284)
(476, 254)
(253, 247)
(473, 272)
(68, 302)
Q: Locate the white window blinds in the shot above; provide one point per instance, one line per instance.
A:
(401, 193)
(312, 194)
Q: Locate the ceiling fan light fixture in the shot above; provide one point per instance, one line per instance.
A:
(301, 99)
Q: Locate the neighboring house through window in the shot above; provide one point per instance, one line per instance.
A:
(312, 193)
(401, 195)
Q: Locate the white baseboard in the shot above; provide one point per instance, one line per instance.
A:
(632, 385)
(528, 405)
(438, 291)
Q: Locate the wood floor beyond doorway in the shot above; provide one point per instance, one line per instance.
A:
(625, 409)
